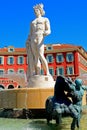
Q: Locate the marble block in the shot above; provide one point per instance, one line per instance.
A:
(41, 81)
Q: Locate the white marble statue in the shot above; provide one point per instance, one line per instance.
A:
(40, 27)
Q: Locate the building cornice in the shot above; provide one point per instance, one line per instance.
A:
(13, 53)
(61, 50)
(56, 48)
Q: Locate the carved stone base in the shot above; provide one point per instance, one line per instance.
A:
(41, 81)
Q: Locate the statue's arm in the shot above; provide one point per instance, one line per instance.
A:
(71, 94)
(29, 37)
(30, 34)
(84, 88)
(47, 27)
(75, 94)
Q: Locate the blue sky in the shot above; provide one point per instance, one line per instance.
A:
(68, 20)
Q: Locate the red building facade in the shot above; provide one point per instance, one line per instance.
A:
(63, 59)
(13, 60)
(68, 60)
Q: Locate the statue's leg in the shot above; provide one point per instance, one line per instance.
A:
(37, 64)
(74, 113)
(73, 124)
(58, 115)
(43, 60)
(58, 118)
(30, 70)
(49, 109)
(49, 118)
(78, 120)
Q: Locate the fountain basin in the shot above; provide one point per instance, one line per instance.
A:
(28, 98)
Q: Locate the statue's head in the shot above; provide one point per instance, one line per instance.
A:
(78, 83)
(40, 8)
(64, 84)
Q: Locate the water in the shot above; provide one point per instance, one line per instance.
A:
(39, 124)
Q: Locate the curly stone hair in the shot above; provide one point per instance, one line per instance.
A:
(40, 7)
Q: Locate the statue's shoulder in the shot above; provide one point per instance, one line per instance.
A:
(33, 21)
(46, 19)
(84, 87)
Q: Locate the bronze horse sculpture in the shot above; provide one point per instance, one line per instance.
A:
(60, 103)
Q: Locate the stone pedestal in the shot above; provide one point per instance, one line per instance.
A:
(41, 81)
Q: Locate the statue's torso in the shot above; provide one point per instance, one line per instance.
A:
(38, 25)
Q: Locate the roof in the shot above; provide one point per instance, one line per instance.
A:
(16, 51)
(55, 48)
(60, 48)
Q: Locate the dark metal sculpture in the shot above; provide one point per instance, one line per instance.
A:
(60, 103)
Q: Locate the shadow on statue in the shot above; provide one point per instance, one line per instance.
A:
(67, 100)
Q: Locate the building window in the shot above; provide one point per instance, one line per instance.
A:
(10, 60)
(10, 71)
(1, 71)
(20, 59)
(69, 57)
(70, 70)
(49, 58)
(1, 60)
(51, 70)
(11, 49)
(49, 47)
(21, 71)
(59, 58)
(60, 71)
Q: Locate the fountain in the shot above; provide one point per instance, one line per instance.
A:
(39, 87)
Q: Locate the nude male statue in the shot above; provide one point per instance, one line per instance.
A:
(40, 27)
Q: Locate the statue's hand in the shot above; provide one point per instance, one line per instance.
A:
(46, 33)
(27, 45)
(29, 38)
